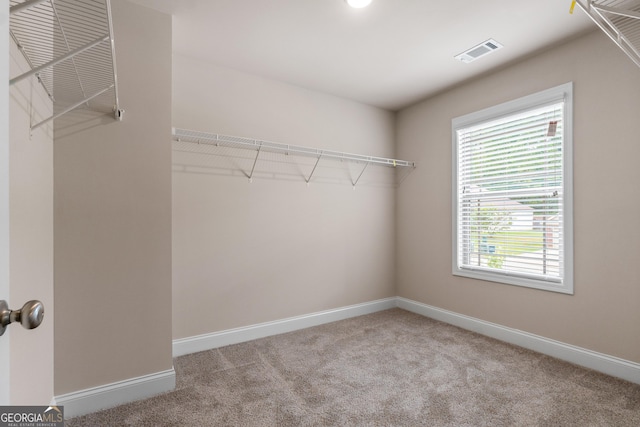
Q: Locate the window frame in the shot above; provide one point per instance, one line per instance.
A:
(520, 105)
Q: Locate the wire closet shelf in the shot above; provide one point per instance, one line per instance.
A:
(69, 46)
(257, 145)
(620, 20)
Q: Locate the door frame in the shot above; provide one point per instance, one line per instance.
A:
(4, 195)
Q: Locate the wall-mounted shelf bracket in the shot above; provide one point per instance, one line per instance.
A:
(184, 135)
(58, 60)
(255, 161)
(360, 176)
(24, 5)
(618, 19)
(70, 42)
(72, 107)
(314, 169)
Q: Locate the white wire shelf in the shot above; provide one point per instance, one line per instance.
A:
(69, 46)
(260, 146)
(620, 20)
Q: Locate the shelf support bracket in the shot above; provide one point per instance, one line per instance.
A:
(58, 60)
(597, 14)
(360, 176)
(25, 5)
(621, 12)
(254, 163)
(314, 168)
(118, 112)
(72, 107)
(66, 42)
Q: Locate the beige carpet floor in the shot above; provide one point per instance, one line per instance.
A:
(391, 368)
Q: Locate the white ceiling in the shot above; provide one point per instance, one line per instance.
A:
(390, 54)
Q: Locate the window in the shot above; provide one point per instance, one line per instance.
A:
(512, 192)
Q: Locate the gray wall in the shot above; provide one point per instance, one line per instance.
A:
(603, 315)
(249, 253)
(112, 219)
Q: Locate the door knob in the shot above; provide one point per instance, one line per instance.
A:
(29, 316)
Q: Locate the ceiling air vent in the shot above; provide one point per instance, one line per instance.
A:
(478, 51)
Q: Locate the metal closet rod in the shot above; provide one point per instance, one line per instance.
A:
(184, 135)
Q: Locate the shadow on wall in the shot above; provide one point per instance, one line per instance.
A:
(81, 120)
(25, 98)
(208, 159)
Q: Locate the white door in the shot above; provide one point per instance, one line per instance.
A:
(26, 228)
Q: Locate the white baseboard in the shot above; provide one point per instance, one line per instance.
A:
(106, 396)
(198, 343)
(600, 362)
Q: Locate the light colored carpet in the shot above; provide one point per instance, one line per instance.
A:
(391, 368)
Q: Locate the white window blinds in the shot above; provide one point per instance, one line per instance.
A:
(511, 196)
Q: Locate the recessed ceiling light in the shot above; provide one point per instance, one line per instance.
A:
(358, 3)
